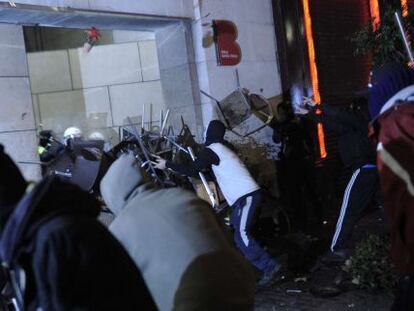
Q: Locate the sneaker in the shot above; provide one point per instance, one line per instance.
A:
(337, 256)
(272, 276)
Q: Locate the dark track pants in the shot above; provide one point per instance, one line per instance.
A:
(243, 217)
(404, 298)
(360, 190)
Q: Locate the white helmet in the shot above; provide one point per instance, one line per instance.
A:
(96, 136)
(72, 132)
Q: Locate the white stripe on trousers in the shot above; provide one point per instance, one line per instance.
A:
(243, 221)
(344, 208)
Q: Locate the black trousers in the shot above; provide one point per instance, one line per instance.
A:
(361, 189)
(297, 183)
(404, 298)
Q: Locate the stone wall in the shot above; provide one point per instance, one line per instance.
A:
(96, 90)
(17, 122)
(258, 70)
(175, 8)
(191, 65)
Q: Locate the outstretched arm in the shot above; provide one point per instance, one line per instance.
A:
(332, 118)
(205, 159)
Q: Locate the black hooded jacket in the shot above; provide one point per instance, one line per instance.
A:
(355, 148)
(206, 157)
(70, 260)
(12, 186)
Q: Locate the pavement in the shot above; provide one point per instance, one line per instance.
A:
(293, 296)
(299, 252)
(324, 288)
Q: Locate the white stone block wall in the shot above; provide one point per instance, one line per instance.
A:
(105, 65)
(254, 19)
(148, 54)
(175, 8)
(128, 99)
(258, 70)
(50, 72)
(178, 77)
(17, 122)
(99, 89)
(122, 36)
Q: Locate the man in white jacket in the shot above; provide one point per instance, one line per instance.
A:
(239, 189)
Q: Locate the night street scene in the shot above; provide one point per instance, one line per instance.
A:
(220, 155)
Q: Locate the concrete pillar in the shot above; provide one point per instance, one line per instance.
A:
(17, 121)
(177, 71)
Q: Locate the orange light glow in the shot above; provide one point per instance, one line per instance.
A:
(311, 52)
(321, 138)
(313, 73)
(404, 7)
(375, 13)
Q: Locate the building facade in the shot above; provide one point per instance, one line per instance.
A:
(183, 44)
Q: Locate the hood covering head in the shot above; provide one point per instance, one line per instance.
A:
(49, 199)
(121, 182)
(386, 82)
(215, 132)
(12, 186)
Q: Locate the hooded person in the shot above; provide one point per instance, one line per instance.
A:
(393, 99)
(180, 247)
(70, 261)
(12, 186)
(296, 157)
(240, 191)
(358, 156)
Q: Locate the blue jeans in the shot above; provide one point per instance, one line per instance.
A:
(243, 217)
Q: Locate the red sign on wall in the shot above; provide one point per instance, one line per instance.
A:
(227, 49)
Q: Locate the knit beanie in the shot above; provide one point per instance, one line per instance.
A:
(215, 132)
(387, 81)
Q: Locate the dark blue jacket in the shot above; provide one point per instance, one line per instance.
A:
(355, 148)
(71, 261)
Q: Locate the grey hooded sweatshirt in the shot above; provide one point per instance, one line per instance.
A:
(176, 241)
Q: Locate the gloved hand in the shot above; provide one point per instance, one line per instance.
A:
(307, 105)
(160, 163)
(308, 101)
(301, 110)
